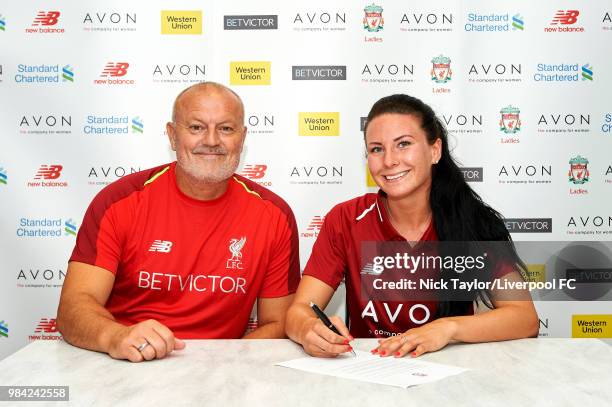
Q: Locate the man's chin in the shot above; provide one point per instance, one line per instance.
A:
(208, 176)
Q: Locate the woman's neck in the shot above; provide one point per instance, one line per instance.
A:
(410, 216)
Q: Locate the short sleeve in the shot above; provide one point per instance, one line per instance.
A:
(327, 261)
(283, 272)
(98, 242)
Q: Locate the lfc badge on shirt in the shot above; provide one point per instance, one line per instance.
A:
(235, 248)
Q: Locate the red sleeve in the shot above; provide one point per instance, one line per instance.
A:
(98, 241)
(327, 261)
(283, 272)
(100, 238)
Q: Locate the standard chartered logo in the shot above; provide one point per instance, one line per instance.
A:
(46, 227)
(120, 124)
(137, 125)
(70, 228)
(68, 73)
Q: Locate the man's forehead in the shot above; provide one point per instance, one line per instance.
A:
(220, 115)
(201, 101)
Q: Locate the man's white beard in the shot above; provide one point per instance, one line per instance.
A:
(223, 172)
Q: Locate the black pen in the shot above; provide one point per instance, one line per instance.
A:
(321, 315)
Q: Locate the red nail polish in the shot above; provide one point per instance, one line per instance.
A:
(413, 353)
(382, 353)
(397, 353)
(346, 341)
(374, 351)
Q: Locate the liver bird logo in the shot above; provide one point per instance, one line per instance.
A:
(235, 247)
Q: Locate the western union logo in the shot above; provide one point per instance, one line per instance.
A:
(181, 22)
(319, 123)
(592, 326)
(250, 73)
(536, 273)
(369, 180)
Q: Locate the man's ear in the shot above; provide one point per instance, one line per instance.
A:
(171, 135)
(244, 133)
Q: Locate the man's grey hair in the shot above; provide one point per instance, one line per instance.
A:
(204, 86)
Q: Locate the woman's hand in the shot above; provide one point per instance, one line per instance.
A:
(318, 340)
(305, 328)
(430, 337)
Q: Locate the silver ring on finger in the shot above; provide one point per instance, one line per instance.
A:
(142, 346)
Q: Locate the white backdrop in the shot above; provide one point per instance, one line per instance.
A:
(523, 174)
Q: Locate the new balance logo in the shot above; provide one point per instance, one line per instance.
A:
(252, 324)
(49, 171)
(565, 17)
(46, 18)
(368, 268)
(314, 227)
(46, 326)
(114, 69)
(254, 171)
(162, 246)
(316, 223)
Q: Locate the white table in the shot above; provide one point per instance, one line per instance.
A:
(529, 372)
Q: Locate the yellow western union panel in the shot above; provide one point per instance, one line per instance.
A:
(536, 273)
(592, 326)
(181, 22)
(250, 73)
(369, 180)
(319, 123)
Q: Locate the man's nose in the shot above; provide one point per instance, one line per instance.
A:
(211, 137)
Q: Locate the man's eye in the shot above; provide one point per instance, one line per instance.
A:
(195, 127)
(227, 129)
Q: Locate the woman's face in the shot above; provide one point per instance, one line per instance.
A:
(399, 156)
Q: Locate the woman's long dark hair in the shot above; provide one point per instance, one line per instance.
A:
(459, 213)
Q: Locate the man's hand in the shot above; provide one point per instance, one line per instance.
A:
(125, 341)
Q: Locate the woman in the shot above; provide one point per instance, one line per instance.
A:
(422, 197)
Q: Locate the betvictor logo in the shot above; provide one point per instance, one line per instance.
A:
(529, 225)
(244, 22)
(318, 73)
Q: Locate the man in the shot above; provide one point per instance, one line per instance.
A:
(182, 250)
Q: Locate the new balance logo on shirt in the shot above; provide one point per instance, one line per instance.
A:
(162, 246)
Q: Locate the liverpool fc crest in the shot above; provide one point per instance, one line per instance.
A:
(510, 122)
(578, 173)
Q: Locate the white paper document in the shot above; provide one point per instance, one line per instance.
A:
(400, 372)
